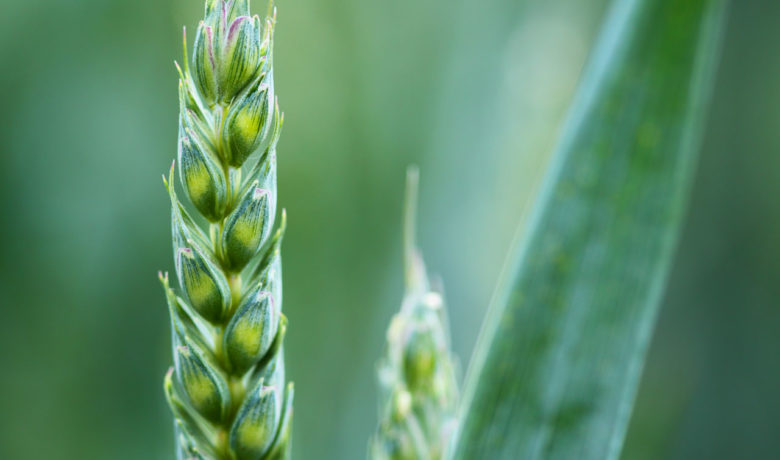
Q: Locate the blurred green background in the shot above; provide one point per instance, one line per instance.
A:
(474, 92)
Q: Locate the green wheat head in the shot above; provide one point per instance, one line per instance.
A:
(227, 387)
(416, 375)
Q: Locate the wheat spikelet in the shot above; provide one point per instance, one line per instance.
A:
(416, 374)
(227, 387)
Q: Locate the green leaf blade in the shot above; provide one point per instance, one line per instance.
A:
(555, 372)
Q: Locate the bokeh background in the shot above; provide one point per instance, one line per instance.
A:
(473, 92)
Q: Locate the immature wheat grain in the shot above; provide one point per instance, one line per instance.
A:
(227, 387)
(416, 375)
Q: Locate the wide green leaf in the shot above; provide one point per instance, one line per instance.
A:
(557, 365)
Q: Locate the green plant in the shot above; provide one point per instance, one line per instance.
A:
(227, 386)
(559, 359)
(416, 375)
(557, 365)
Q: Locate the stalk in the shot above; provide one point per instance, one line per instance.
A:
(227, 386)
(416, 374)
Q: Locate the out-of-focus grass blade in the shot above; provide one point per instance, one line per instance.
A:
(556, 368)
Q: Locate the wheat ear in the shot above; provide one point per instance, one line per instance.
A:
(416, 374)
(227, 387)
